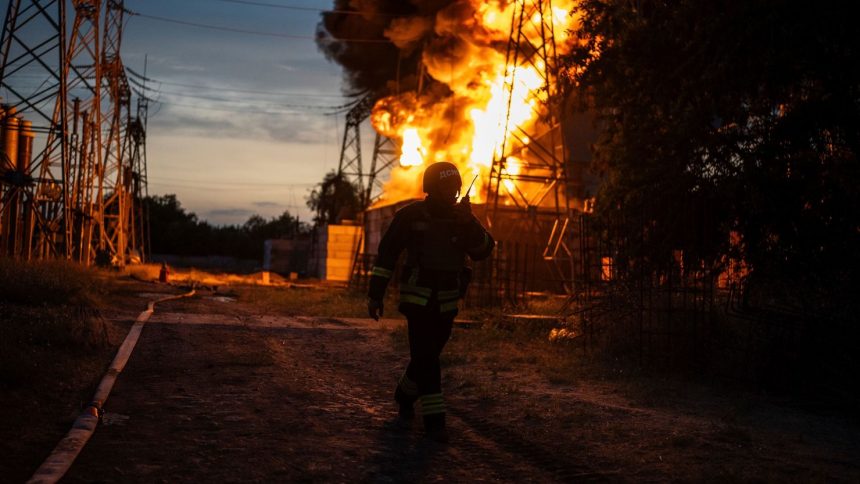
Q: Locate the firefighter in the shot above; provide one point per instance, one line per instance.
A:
(438, 233)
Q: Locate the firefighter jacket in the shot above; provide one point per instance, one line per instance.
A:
(437, 242)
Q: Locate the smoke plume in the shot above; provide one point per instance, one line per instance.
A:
(444, 87)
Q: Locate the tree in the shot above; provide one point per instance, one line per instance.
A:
(174, 231)
(334, 199)
(731, 117)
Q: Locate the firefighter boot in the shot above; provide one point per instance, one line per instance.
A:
(405, 404)
(434, 428)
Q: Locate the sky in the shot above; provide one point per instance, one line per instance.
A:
(240, 125)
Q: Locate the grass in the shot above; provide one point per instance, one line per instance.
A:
(522, 349)
(314, 298)
(324, 302)
(54, 346)
(48, 308)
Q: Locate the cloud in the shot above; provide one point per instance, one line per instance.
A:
(268, 204)
(235, 121)
(229, 212)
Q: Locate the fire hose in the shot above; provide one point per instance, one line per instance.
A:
(67, 450)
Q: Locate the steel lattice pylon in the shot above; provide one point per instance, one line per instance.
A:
(350, 166)
(73, 199)
(116, 187)
(385, 154)
(529, 171)
(84, 168)
(139, 224)
(33, 45)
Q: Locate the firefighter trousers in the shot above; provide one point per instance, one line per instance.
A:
(429, 331)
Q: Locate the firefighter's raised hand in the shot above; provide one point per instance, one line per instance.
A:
(374, 309)
(463, 210)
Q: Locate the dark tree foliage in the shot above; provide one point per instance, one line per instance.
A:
(731, 117)
(334, 199)
(175, 231)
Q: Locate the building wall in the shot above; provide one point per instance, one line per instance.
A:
(283, 256)
(334, 251)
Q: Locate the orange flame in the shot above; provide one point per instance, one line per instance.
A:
(411, 151)
(488, 101)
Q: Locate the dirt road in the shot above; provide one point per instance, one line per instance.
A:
(216, 393)
(221, 390)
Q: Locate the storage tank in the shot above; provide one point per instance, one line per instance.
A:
(25, 146)
(2, 147)
(10, 139)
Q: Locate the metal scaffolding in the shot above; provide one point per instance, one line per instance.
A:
(529, 179)
(72, 198)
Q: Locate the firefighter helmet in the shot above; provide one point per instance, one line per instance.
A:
(441, 173)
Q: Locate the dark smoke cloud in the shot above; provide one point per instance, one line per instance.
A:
(376, 67)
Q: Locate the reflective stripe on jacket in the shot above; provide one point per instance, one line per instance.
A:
(436, 247)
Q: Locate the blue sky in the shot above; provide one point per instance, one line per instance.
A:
(227, 153)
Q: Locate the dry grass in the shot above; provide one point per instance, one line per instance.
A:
(54, 346)
(50, 311)
(314, 301)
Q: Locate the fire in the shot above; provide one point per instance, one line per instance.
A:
(489, 105)
(411, 152)
(512, 167)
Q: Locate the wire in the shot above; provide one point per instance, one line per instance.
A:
(233, 90)
(249, 32)
(156, 184)
(247, 91)
(198, 182)
(136, 74)
(246, 111)
(239, 101)
(306, 9)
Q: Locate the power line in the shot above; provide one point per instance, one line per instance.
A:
(305, 9)
(266, 109)
(245, 103)
(200, 182)
(199, 87)
(249, 32)
(245, 91)
(246, 111)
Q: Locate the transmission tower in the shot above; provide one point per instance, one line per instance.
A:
(33, 45)
(385, 154)
(139, 228)
(529, 172)
(115, 191)
(73, 200)
(350, 166)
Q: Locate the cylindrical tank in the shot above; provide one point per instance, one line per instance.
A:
(2, 139)
(25, 146)
(10, 139)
